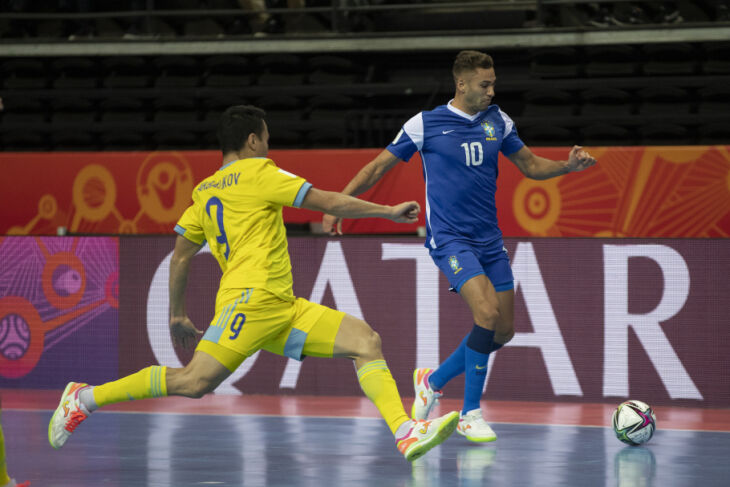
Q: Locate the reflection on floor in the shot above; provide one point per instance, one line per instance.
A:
(295, 441)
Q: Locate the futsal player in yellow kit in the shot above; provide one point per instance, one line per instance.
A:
(237, 211)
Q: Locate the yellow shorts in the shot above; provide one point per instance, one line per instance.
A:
(259, 320)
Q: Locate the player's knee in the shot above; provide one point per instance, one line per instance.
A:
(370, 344)
(373, 342)
(487, 316)
(505, 336)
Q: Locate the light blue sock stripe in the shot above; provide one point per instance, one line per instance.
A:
(159, 381)
(374, 365)
(153, 389)
(156, 381)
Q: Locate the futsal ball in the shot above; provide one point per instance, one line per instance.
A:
(634, 422)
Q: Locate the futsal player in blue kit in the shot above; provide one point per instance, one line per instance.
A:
(459, 144)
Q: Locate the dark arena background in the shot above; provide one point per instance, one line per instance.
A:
(621, 271)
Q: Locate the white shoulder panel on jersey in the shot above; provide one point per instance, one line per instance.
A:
(414, 129)
(508, 123)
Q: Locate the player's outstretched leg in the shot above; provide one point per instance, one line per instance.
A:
(199, 377)
(79, 400)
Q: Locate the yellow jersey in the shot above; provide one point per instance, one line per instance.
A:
(237, 211)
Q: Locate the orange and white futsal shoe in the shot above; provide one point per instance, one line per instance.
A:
(68, 415)
(425, 435)
(474, 428)
(426, 396)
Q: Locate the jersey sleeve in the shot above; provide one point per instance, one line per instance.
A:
(409, 140)
(282, 187)
(190, 227)
(511, 142)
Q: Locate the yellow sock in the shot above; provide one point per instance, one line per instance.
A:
(378, 385)
(4, 479)
(147, 383)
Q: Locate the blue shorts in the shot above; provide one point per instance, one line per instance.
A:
(460, 262)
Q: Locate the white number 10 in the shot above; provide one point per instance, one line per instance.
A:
(473, 153)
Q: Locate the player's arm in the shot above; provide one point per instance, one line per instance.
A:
(363, 181)
(536, 167)
(344, 206)
(182, 329)
(371, 173)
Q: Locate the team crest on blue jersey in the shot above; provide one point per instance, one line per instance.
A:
(454, 263)
(489, 130)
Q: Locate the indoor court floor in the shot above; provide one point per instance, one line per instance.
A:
(340, 441)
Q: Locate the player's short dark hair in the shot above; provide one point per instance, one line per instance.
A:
(236, 124)
(471, 61)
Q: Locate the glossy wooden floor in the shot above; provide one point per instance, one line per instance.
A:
(328, 441)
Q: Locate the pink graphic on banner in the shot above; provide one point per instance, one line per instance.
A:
(58, 309)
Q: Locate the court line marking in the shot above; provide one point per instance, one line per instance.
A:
(608, 426)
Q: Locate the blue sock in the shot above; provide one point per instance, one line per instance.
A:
(450, 368)
(496, 346)
(476, 356)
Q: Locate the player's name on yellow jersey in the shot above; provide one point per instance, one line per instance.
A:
(224, 182)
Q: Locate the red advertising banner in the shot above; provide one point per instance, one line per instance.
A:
(632, 192)
(597, 319)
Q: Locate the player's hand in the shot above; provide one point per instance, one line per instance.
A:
(183, 332)
(579, 159)
(406, 212)
(332, 224)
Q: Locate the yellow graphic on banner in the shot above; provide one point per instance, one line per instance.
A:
(94, 195)
(537, 205)
(47, 209)
(164, 185)
(164, 182)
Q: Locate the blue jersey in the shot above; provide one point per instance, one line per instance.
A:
(459, 154)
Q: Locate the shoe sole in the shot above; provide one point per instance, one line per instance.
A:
(58, 410)
(474, 439)
(445, 429)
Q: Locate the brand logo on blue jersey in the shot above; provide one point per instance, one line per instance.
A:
(454, 263)
(489, 130)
